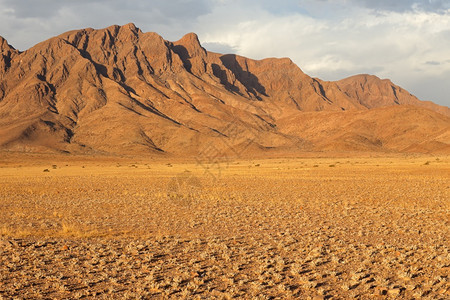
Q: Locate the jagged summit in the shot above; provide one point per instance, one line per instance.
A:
(192, 44)
(122, 90)
(7, 53)
(4, 44)
(131, 27)
(6, 50)
(189, 38)
(371, 91)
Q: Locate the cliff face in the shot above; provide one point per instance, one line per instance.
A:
(121, 90)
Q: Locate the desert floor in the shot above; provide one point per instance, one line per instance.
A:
(325, 228)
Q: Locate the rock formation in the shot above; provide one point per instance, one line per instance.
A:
(120, 90)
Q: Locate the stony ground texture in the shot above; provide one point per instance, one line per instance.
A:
(280, 228)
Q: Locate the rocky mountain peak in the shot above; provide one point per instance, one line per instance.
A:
(120, 90)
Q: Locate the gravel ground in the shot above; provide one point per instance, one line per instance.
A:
(311, 228)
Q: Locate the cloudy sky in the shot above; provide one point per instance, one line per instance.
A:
(406, 41)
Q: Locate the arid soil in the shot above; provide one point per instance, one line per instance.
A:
(323, 228)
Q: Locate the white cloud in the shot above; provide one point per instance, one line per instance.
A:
(389, 44)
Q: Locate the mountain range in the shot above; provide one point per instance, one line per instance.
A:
(119, 90)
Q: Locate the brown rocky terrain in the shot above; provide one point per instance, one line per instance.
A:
(312, 228)
(373, 92)
(120, 90)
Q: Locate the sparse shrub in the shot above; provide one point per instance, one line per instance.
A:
(332, 166)
(54, 166)
(427, 163)
(46, 170)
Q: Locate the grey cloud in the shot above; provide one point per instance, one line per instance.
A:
(404, 5)
(35, 9)
(432, 88)
(182, 9)
(433, 63)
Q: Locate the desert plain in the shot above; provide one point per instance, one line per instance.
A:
(306, 227)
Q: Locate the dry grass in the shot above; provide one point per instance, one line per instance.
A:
(265, 228)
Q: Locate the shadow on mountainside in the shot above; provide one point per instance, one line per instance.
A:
(246, 78)
(184, 55)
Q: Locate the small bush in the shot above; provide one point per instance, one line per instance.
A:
(46, 170)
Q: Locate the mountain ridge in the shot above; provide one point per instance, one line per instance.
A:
(120, 90)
